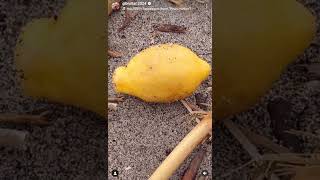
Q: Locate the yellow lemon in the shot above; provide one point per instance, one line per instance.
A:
(64, 60)
(254, 41)
(162, 73)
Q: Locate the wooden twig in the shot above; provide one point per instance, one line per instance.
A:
(293, 158)
(194, 166)
(114, 54)
(13, 138)
(115, 99)
(263, 141)
(192, 109)
(244, 141)
(186, 105)
(246, 144)
(24, 119)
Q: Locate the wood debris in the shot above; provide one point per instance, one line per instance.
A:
(248, 146)
(24, 119)
(293, 158)
(176, 2)
(184, 149)
(194, 166)
(13, 138)
(190, 107)
(114, 54)
(112, 106)
(273, 166)
(170, 28)
(244, 141)
(113, 102)
(186, 105)
(115, 99)
(264, 141)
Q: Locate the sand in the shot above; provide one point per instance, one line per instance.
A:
(142, 134)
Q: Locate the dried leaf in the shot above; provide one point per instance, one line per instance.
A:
(170, 28)
(114, 54)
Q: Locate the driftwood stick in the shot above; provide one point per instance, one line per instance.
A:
(23, 119)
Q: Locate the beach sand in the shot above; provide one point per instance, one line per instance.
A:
(142, 134)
